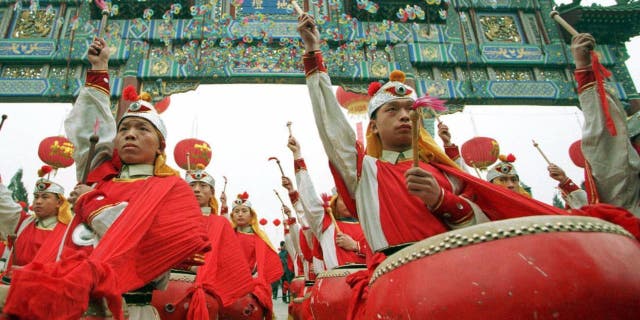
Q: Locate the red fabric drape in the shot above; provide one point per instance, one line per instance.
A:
(161, 227)
(500, 203)
(269, 271)
(225, 273)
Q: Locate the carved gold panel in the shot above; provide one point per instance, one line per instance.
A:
(35, 24)
(500, 28)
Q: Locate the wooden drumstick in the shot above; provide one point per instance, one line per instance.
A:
(289, 127)
(535, 144)
(103, 23)
(93, 140)
(4, 117)
(278, 195)
(225, 184)
(333, 220)
(435, 115)
(415, 134)
(297, 8)
(278, 162)
(556, 16)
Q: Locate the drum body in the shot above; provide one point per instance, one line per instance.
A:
(539, 267)
(297, 287)
(247, 307)
(173, 302)
(300, 307)
(331, 294)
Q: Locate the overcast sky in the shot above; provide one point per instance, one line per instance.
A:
(246, 124)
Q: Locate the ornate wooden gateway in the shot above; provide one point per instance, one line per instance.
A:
(463, 51)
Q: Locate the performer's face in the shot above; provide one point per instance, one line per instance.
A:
(392, 124)
(341, 208)
(508, 181)
(203, 192)
(137, 141)
(241, 215)
(46, 204)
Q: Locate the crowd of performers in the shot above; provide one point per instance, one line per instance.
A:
(137, 228)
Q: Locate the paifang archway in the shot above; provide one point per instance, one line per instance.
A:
(466, 52)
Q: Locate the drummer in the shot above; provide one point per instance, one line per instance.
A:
(225, 273)
(504, 174)
(397, 203)
(342, 241)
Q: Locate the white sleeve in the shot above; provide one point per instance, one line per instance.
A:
(337, 137)
(302, 217)
(91, 104)
(311, 202)
(9, 213)
(615, 165)
(577, 199)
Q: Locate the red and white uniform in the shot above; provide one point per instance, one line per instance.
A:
(265, 265)
(147, 225)
(322, 226)
(613, 166)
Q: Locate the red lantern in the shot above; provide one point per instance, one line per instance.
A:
(56, 152)
(276, 222)
(198, 150)
(576, 155)
(480, 152)
(355, 103)
(263, 222)
(163, 104)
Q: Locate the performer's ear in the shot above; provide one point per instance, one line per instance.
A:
(373, 126)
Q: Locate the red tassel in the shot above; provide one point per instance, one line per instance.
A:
(374, 87)
(511, 157)
(326, 198)
(130, 94)
(44, 170)
(601, 73)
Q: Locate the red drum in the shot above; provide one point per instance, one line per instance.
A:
(299, 307)
(331, 294)
(173, 303)
(246, 307)
(297, 287)
(538, 267)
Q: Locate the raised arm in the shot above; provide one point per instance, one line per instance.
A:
(92, 105)
(337, 137)
(294, 197)
(575, 197)
(614, 163)
(308, 197)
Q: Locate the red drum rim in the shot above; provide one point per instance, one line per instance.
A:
(491, 231)
(183, 276)
(341, 271)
